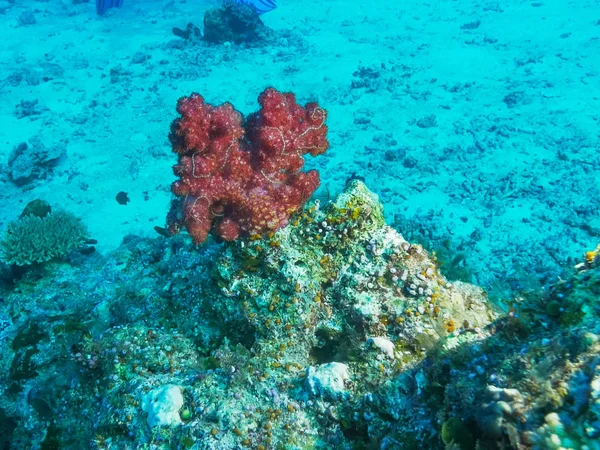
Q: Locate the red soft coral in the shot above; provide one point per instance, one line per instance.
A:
(243, 178)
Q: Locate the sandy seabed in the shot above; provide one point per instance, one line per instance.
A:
(476, 122)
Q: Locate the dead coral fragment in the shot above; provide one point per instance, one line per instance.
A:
(31, 239)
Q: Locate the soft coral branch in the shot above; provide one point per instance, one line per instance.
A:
(243, 178)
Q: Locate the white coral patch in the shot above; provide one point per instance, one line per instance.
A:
(327, 379)
(383, 344)
(162, 405)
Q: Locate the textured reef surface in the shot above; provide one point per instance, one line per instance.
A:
(475, 122)
(333, 332)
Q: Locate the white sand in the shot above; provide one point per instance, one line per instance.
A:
(484, 167)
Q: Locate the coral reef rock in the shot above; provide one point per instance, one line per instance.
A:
(237, 23)
(333, 332)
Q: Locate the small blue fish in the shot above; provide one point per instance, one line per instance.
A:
(261, 6)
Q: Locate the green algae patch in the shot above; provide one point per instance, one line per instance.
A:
(455, 431)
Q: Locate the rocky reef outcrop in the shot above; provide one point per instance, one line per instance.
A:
(333, 332)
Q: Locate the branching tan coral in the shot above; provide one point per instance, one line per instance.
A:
(32, 239)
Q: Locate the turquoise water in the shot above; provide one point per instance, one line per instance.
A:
(506, 174)
(476, 123)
